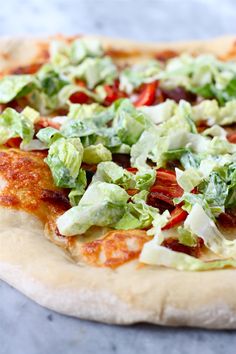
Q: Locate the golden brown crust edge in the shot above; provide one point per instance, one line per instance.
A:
(46, 274)
(20, 51)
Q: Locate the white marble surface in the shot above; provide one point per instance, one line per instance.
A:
(26, 328)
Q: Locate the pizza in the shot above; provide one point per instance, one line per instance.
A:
(118, 178)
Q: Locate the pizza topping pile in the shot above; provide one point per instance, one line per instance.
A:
(146, 147)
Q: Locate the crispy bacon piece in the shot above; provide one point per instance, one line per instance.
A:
(165, 188)
(174, 245)
(115, 249)
(122, 160)
(227, 219)
(179, 93)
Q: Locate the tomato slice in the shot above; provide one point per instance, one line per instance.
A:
(232, 138)
(113, 93)
(177, 216)
(147, 95)
(79, 97)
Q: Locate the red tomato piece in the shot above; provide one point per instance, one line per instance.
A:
(113, 93)
(79, 97)
(147, 95)
(232, 138)
(178, 215)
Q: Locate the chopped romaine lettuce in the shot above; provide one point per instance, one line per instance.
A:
(14, 124)
(64, 159)
(188, 179)
(132, 78)
(138, 215)
(199, 223)
(110, 172)
(63, 54)
(76, 193)
(95, 154)
(103, 204)
(154, 254)
(15, 85)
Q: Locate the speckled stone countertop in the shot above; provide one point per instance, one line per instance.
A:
(25, 327)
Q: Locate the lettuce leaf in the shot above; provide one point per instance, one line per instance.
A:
(199, 223)
(95, 71)
(48, 135)
(64, 159)
(95, 154)
(76, 193)
(103, 204)
(188, 179)
(14, 124)
(128, 122)
(110, 172)
(133, 77)
(15, 85)
(62, 54)
(154, 254)
(138, 215)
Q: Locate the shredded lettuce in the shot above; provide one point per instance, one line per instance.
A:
(129, 123)
(48, 135)
(188, 179)
(64, 159)
(132, 78)
(204, 75)
(110, 172)
(154, 254)
(14, 124)
(160, 112)
(95, 71)
(95, 154)
(76, 193)
(138, 215)
(103, 204)
(199, 223)
(15, 85)
(63, 54)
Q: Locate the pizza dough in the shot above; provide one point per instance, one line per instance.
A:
(130, 293)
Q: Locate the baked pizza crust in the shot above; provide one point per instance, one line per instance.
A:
(130, 293)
